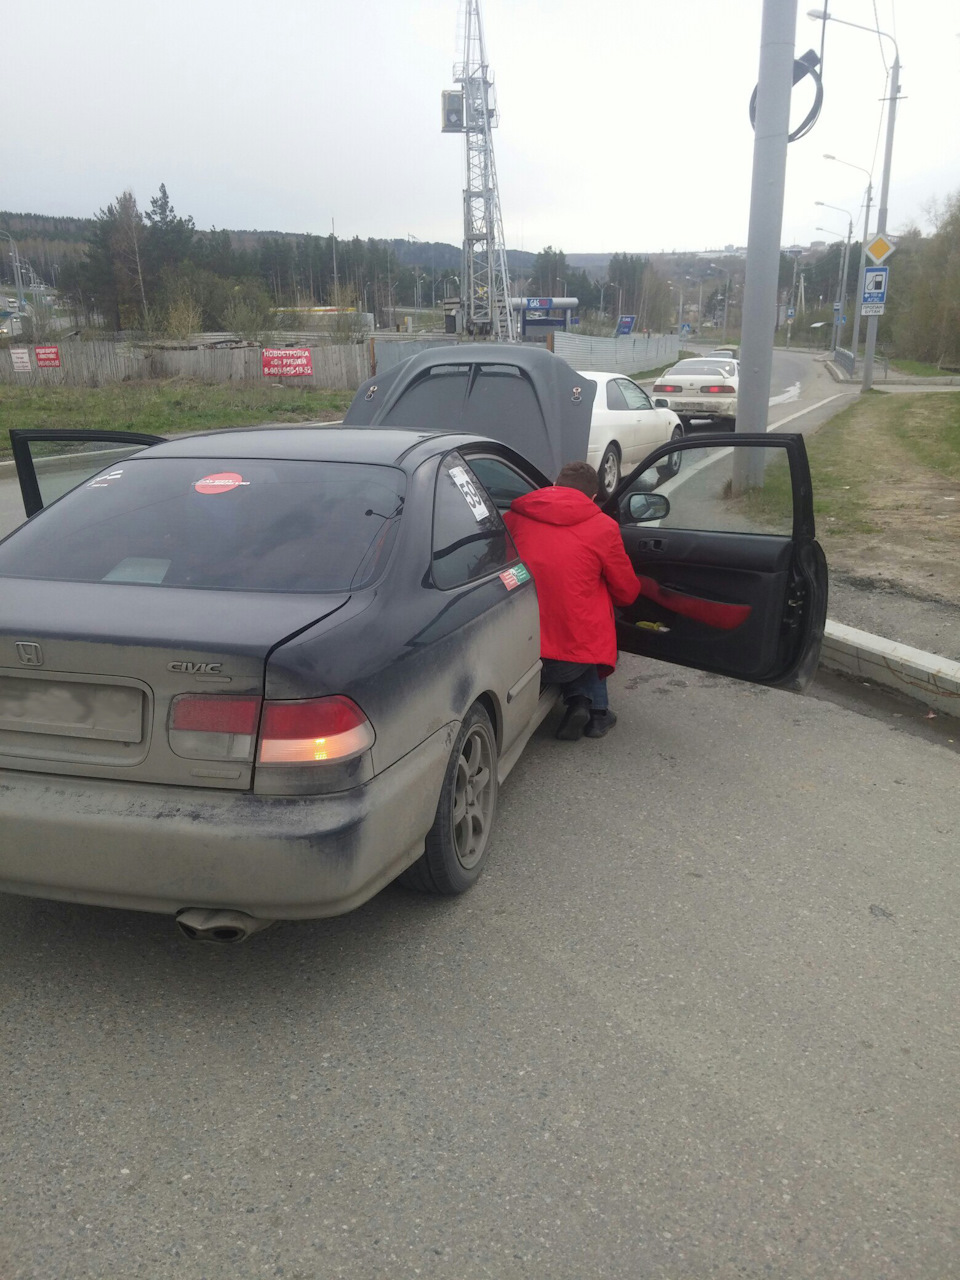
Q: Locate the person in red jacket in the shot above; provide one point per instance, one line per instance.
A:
(576, 556)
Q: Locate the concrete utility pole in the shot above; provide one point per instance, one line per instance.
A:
(882, 212)
(771, 130)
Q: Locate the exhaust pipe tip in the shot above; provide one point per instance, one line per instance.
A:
(201, 924)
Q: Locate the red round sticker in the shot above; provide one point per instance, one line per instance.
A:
(221, 482)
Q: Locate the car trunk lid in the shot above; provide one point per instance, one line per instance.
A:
(88, 672)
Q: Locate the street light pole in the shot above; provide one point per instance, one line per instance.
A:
(863, 252)
(17, 274)
(838, 322)
(821, 15)
(726, 295)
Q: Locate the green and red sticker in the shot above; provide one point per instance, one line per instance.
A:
(514, 577)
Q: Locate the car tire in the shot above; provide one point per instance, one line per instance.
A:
(609, 470)
(671, 463)
(455, 849)
(727, 424)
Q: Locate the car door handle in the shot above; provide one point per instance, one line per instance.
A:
(650, 544)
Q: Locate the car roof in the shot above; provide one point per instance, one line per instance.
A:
(320, 442)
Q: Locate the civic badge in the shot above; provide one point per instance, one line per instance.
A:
(31, 655)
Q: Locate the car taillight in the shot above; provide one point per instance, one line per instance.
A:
(312, 731)
(213, 727)
(718, 391)
(666, 386)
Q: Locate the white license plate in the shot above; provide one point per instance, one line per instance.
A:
(71, 709)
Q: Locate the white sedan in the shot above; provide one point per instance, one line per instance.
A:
(705, 387)
(624, 428)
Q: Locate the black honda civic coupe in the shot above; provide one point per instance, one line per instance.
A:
(259, 674)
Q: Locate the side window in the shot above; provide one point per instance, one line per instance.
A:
(470, 539)
(615, 398)
(722, 490)
(501, 481)
(635, 397)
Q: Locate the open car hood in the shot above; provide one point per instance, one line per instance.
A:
(525, 397)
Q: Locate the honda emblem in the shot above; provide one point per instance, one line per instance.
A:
(31, 655)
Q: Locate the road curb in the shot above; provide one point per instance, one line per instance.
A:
(927, 677)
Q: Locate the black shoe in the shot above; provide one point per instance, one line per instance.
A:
(574, 720)
(601, 722)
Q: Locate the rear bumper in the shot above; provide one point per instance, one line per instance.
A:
(714, 409)
(154, 848)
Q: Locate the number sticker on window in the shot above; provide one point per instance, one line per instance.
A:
(469, 491)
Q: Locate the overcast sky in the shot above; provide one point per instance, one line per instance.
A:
(623, 123)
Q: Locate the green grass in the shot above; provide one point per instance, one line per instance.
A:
(919, 369)
(931, 430)
(163, 408)
(858, 459)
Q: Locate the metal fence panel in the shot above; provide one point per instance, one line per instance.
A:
(634, 354)
(389, 352)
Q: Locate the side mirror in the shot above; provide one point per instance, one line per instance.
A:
(647, 506)
(660, 403)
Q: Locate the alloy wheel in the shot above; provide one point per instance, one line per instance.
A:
(474, 797)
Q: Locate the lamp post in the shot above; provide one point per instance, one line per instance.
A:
(871, 342)
(842, 281)
(726, 293)
(868, 200)
(679, 313)
(606, 285)
(17, 275)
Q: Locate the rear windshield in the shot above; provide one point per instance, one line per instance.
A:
(245, 525)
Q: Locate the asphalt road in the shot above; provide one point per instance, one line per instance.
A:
(698, 1018)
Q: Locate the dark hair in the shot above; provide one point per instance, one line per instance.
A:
(581, 476)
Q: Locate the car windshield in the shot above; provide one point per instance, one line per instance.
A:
(704, 366)
(226, 525)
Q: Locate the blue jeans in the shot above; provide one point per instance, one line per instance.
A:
(577, 680)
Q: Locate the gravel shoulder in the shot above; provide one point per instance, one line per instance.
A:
(888, 611)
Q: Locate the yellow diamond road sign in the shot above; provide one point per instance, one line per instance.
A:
(879, 248)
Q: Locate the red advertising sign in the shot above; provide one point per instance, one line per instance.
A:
(47, 357)
(287, 362)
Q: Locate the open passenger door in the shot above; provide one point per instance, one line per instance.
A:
(734, 581)
(51, 463)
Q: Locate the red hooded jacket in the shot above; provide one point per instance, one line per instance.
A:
(576, 556)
